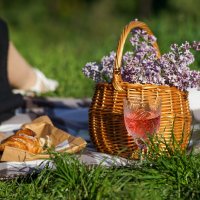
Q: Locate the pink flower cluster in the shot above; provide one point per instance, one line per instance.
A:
(141, 65)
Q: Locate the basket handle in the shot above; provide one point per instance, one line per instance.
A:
(117, 79)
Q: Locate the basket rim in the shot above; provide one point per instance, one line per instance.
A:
(143, 85)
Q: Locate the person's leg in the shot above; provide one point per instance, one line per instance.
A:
(20, 73)
(24, 77)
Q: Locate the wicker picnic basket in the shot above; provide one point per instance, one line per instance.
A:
(106, 120)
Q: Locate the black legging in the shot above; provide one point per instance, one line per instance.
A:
(8, 101)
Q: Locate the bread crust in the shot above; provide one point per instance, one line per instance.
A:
(24, 139)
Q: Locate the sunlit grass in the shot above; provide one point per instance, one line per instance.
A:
(61, 46)
(167, 176)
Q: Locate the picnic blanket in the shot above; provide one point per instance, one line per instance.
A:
(68, 114)
(10, 170)
(71, 115)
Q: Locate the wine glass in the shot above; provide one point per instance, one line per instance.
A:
(142, 118)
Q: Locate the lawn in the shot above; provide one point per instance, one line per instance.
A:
(60, 45)
(164, 177)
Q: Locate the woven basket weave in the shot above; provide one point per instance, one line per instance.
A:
(106, 120)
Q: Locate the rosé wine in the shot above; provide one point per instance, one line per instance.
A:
(142, 123)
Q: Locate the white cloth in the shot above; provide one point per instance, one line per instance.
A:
(194, 103)
(10, 170)
(15, 122)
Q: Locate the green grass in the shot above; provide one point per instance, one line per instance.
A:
(60, 45)
(163, 177)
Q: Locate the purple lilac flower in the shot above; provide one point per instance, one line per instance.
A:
(141, 65)
(175, 66)
(92, 70)
(196, 46)
(107, 63)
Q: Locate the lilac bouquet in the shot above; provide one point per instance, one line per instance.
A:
(141, 65)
